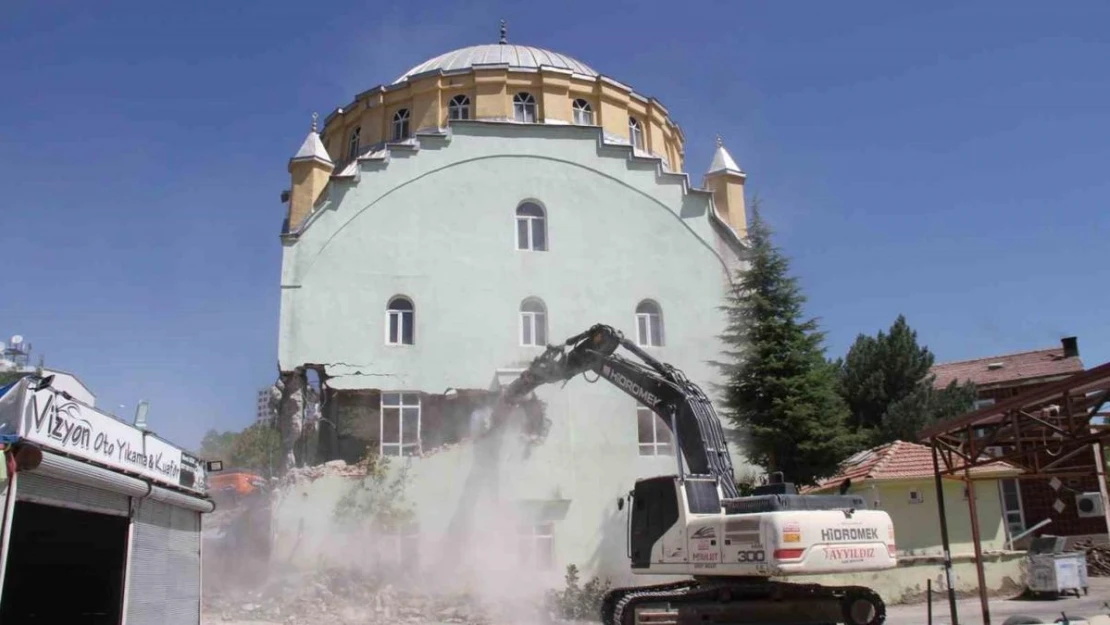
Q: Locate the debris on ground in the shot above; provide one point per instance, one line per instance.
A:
(347, 597)
(1098, 558)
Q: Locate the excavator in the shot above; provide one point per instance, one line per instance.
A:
(696, 524)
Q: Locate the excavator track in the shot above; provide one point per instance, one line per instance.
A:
(613, 597)
(730, 601)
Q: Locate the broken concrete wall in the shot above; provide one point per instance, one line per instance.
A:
(297, 404)
(290, 415)
(351, 423)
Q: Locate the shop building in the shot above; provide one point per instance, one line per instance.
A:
(101, 520)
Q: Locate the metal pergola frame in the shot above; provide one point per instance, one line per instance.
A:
(1057, 416)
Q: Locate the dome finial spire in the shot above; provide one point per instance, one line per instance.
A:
(504, 33)
(720, 141)
(315, 116)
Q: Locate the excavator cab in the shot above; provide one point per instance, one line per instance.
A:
(653, 511)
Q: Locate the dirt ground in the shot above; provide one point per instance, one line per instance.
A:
(1097, 601)
(969, 610)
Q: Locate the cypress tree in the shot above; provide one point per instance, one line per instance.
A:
(779, 388)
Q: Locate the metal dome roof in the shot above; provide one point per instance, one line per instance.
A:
(526, 57)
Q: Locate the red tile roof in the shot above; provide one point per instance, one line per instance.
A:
(899, 460)
(994, 370)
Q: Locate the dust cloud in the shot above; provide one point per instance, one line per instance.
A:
(332, 543)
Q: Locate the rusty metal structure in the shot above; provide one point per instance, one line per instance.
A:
(1044, 432)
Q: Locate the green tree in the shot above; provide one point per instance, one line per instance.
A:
(216, 445)
(779, 386)
(257, 448)
(886, 381)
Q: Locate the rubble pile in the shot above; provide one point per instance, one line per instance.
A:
(1098, 558)
(333, 467)
(347, 597)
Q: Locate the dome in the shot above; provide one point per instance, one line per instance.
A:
(526, 57)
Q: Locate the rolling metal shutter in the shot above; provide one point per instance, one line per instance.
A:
(164, 583)
(68, 483)
(39, 488)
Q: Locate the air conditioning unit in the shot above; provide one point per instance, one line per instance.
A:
(1089, 505)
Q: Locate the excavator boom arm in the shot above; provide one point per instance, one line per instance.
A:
(664, 389)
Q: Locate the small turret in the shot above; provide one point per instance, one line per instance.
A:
(310, 168)
(725, 180)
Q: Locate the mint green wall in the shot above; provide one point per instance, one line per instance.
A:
(438, 225)
(917, 525)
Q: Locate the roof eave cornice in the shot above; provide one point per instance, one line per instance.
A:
(727, 172)
(307, 159)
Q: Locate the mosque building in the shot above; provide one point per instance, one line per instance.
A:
(441, 230)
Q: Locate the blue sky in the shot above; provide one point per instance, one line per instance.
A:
(946, 160)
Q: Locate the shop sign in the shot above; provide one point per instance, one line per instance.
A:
(56, 422)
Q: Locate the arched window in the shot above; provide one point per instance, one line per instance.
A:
(533, 323)
(524, 107)
(459, 107)
(583, 113)
(352, 143)
(400, 321)
(531, 227)
(401, 125)
(636, 133)
(649, 324)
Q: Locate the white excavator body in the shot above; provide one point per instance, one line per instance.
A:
(771, 544)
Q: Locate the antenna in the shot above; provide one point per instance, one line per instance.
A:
(140, 413)
(17, 339)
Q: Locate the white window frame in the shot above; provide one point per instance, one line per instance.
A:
(353, 143)
(459, 107)
(533, 323)
(401, 125)
(1006, 512)
(533, 539)
(530, 227)
(583, 112)
(657, 442)
(404, 400)
(393, 544)
(645, 335)
(524, 106)
(636, 133)
(399, 315)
